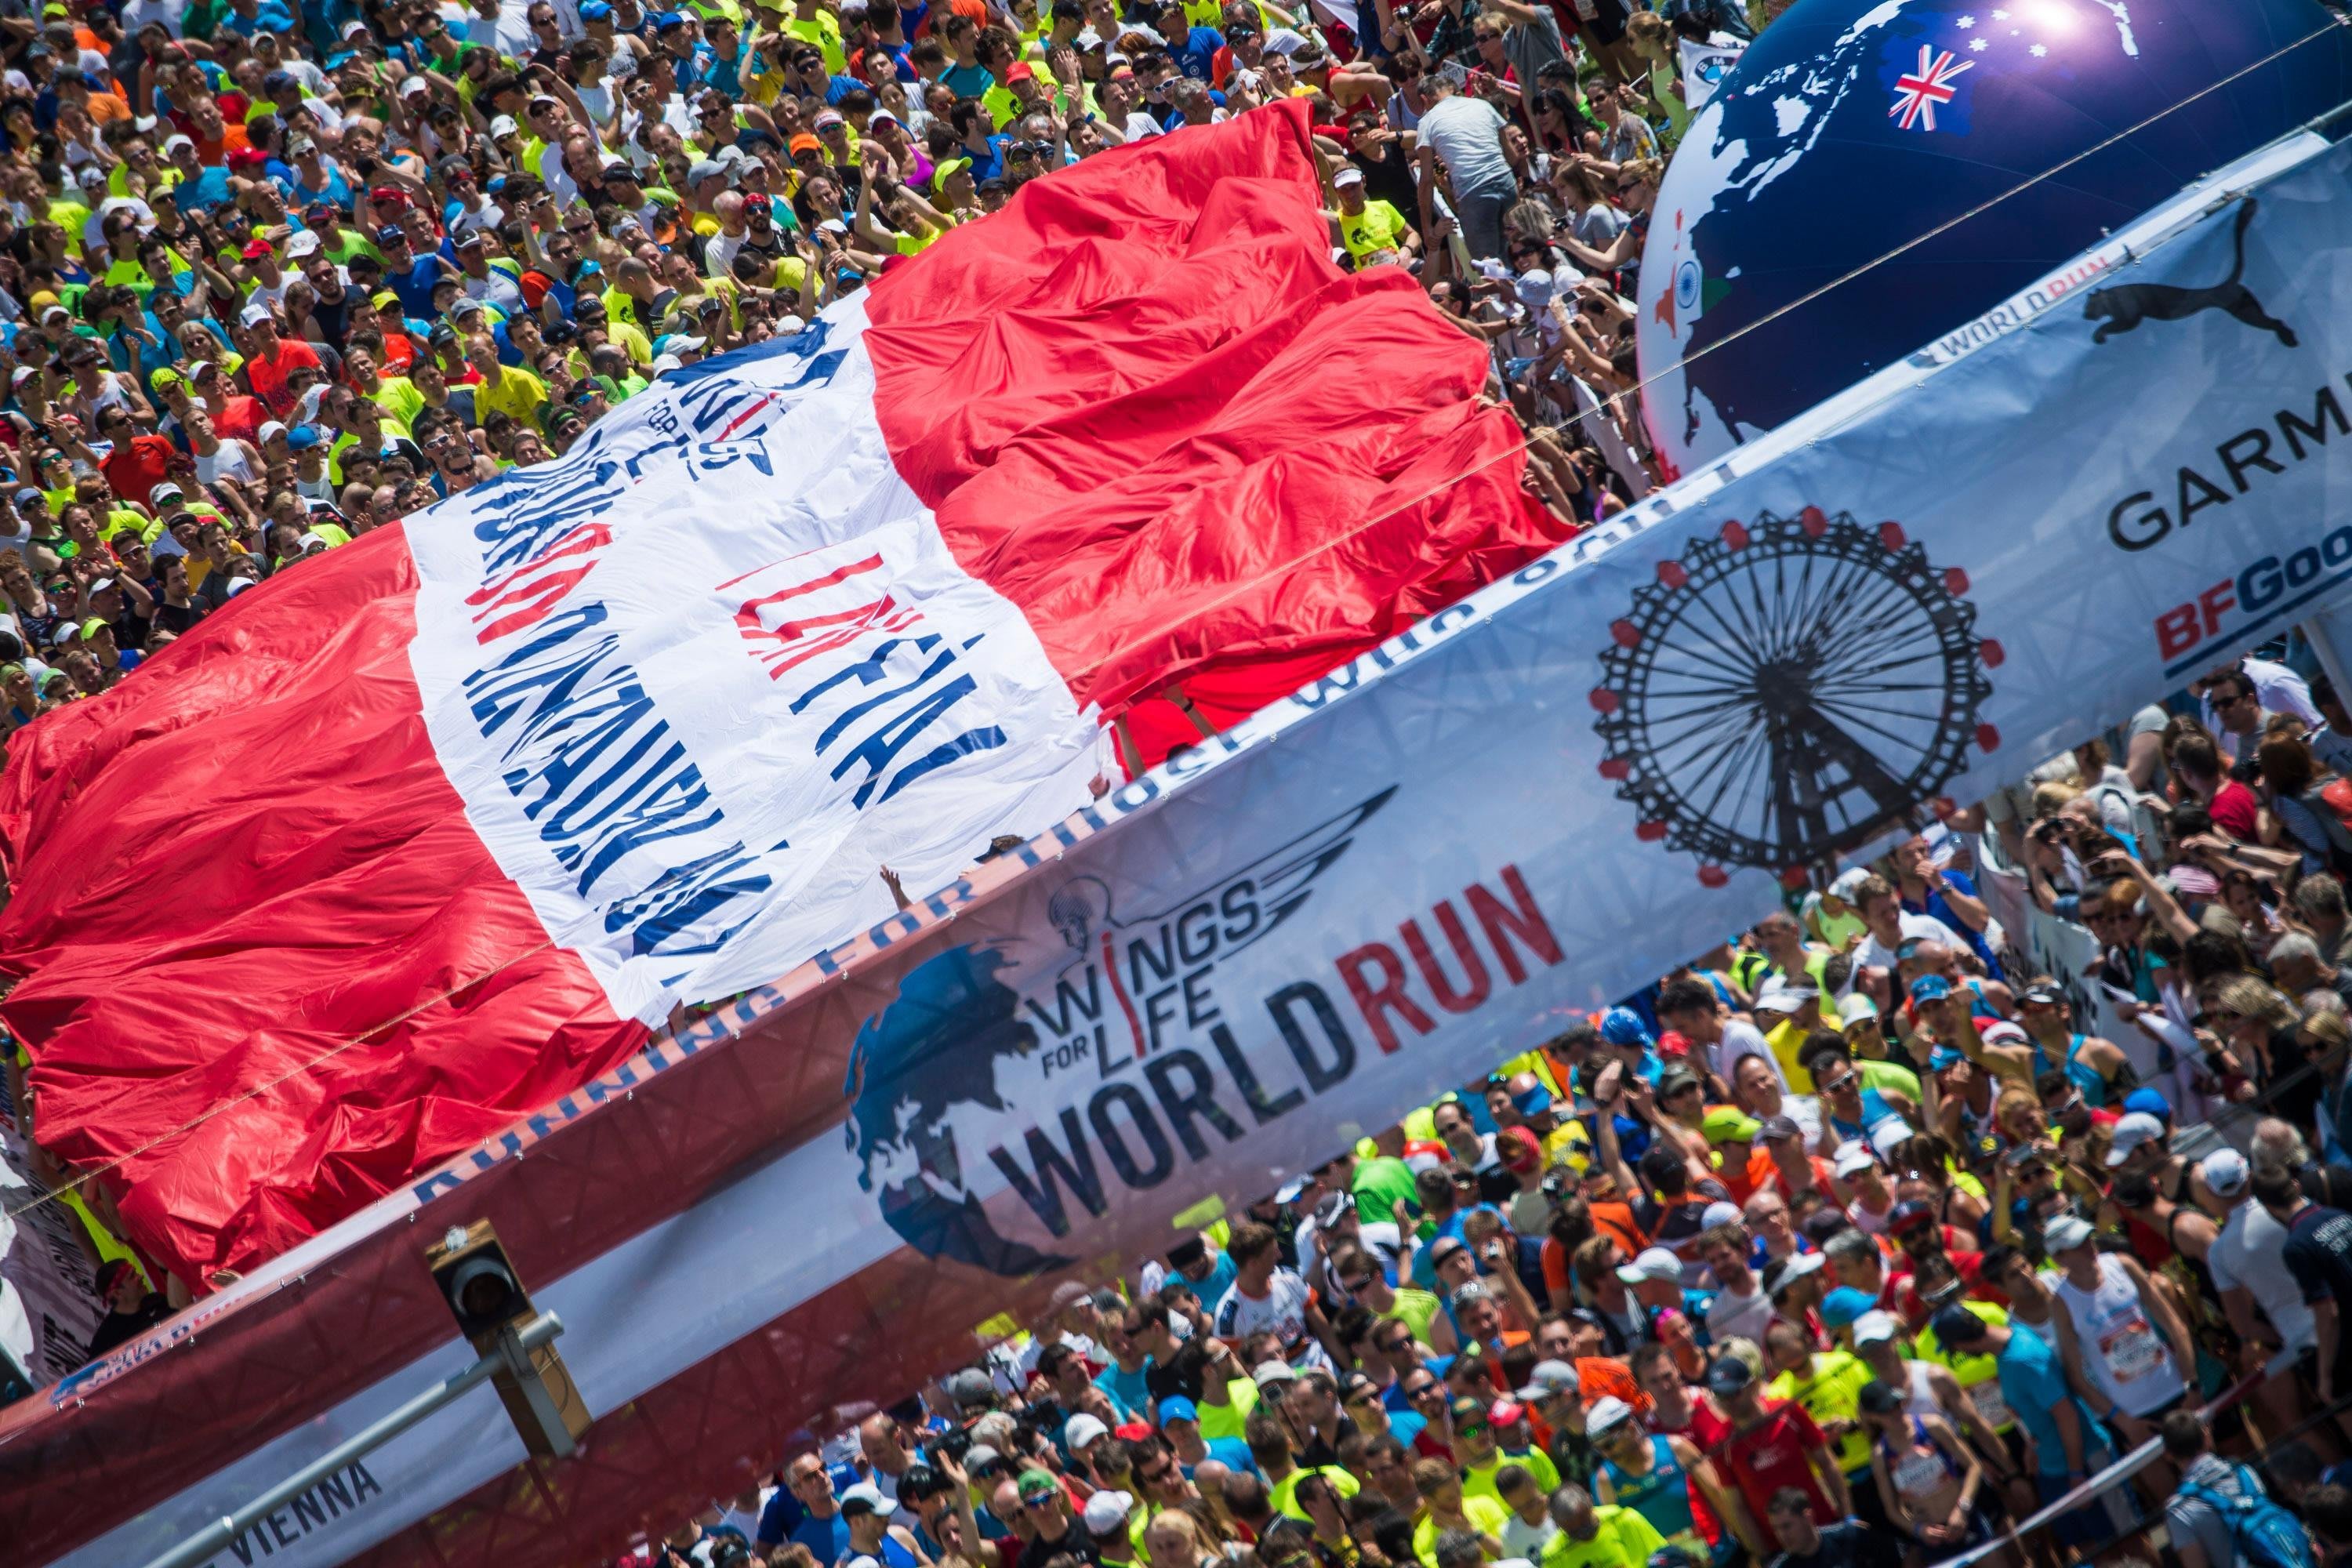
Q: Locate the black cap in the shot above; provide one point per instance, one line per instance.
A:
(1730, 1374)
(1955, 1326)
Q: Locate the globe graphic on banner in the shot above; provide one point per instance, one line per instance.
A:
(1850, 128)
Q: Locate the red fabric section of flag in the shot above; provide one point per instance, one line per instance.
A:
(1151, 411)
(245, 859)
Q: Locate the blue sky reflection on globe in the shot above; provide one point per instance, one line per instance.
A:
(1851, 127)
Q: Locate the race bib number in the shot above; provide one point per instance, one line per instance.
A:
(2132, 1350)
(1919, 1475)
(1990, 1405)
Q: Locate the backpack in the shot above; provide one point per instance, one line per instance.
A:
(2264, 1534)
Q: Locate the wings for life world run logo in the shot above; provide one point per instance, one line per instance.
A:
(1120, 1056)
(1787, 690)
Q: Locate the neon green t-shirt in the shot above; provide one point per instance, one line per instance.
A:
(824, 30)
(1227, 1420)
(519, 394)
(1478, 1480)
(1379, 226)
(1832, 1391)
(1624, 1540)
(1484, 1515)
(1284, 1493)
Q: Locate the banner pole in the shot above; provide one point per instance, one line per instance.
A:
(219, 1535)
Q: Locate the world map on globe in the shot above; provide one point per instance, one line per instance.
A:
(1850, 131)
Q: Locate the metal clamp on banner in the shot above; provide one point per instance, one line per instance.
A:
(2121, 1470)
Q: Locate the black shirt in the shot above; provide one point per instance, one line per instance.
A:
(2318, 1252)
(117, 1326)
(1184, 1377)
(1848, 1543)
(1389, 179)
(177, 618)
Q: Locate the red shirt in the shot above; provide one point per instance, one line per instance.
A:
(137, 466)
(268, 374)
(1767, 1457)
(240, 420)
(2236, 812)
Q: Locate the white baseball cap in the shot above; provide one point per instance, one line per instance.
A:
(1106, 1512)
(1872, 1327)
(2132, 1133)
(1607, 1411)
(1654, 1263)
(2226, 1172)
(1852, 1159)
(1082, 1429)
(2068, 1230)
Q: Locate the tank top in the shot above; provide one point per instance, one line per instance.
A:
(1919, 1398)
(225, 461)
(1921, 1468)
(2123, 1352)
(1660, 1496)
(2084, 1076)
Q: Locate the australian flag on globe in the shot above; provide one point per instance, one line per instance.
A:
(1872, 174)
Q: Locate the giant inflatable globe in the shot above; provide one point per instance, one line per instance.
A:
(1852, 127)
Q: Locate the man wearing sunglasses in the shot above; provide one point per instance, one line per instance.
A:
(2236, 698)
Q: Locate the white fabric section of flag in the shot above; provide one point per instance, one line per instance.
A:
(1703, 67)
(699, 681)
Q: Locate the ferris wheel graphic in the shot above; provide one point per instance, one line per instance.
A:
(1789, 689)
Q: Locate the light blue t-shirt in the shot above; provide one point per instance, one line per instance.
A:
(1230, 1452)
(1125, 1389)
(2033, 1383)
(1213, 1289)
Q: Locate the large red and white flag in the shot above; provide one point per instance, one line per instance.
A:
(426, 832)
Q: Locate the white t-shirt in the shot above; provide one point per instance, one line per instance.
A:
(1742, 1038)
(1282, 1310)
(1745, 1316)
(2247, 1255)
(1876, 955)
(1521, 1539)
(139, 13)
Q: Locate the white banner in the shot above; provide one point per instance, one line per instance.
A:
(1435, 857)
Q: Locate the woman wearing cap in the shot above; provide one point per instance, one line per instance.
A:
(1928, 1476)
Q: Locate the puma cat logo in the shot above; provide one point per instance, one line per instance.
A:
(2126, 305)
